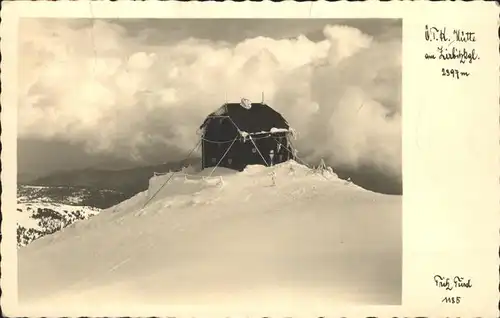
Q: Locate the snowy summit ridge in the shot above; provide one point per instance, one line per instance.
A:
(261, 236)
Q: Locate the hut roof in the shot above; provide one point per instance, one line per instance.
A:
(258, 118)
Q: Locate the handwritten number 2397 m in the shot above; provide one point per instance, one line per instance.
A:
(453, 73)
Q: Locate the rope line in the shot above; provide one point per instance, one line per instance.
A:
(223, 156)
(197, 176)
(293, 155)
(228, 141)
(173, 173)
(216, 141)
(258, 138)
(184, 174)
(268, 133)
(251, 139)
(217, 116)
(297, 157)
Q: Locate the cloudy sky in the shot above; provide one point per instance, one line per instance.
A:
(114, 93)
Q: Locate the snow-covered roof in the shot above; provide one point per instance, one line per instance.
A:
(271, 131)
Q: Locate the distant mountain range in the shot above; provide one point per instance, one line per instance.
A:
(123, 183)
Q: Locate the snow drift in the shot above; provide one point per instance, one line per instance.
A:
(279, 236)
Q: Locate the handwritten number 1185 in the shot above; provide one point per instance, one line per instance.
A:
(453, 73)
(451, 300)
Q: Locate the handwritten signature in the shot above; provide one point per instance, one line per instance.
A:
(451, 283)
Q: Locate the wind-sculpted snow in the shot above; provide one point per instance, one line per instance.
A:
(281, 236)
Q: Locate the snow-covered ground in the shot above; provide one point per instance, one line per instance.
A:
(233, 240)
(40, 212)
(47, 194)
(37, 219)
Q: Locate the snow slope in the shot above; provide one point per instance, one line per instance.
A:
(42, 211)
(35, 220)
(310, 240)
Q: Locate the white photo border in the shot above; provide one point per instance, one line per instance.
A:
(450, 149)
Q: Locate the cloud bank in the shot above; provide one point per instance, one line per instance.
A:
(98, 86)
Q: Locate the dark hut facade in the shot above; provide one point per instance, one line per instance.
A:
(241, 134)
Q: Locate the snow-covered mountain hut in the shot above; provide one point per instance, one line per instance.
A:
(241, 134)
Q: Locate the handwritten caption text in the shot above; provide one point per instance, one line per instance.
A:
(451, 45)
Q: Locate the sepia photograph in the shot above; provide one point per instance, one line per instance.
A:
(209, 162)
(249, 159)
(194, 159)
